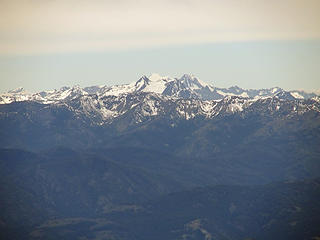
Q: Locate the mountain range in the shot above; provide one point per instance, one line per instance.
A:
(186, 97)
(188, 86)
(161, 158)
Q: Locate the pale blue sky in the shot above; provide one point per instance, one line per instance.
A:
(251, 43)
(287, 64)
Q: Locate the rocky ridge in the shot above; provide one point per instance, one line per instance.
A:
(172, 98)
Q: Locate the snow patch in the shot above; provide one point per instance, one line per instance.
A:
(296, 95)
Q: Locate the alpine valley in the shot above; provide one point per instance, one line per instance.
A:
(160, 158)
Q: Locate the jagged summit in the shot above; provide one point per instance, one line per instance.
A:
(186, 97)
(191, 80)
(17, 90)
(154, 77)
(186, 87)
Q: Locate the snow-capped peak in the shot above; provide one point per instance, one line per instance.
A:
(142, 83)
(17, 90)
(191, 80)
(154, 77)
(187, 86)
(276, 90)
(154, 83)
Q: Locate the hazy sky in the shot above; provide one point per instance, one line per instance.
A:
(251, 43)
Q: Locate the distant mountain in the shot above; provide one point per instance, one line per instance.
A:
(188, 86)
(139, 107)
(233, 140)
(93, 163)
